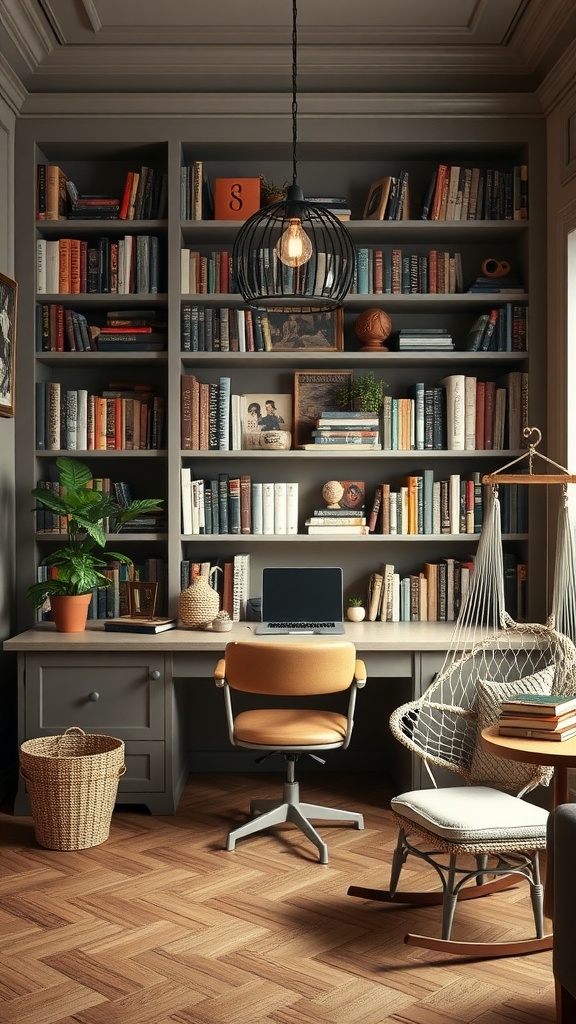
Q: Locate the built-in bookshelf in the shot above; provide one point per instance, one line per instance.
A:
(171, 274)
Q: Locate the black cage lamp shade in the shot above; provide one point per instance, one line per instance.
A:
(294, 254)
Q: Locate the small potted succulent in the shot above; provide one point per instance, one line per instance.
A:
(356, 611)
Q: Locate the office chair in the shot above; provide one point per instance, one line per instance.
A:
(290, 670)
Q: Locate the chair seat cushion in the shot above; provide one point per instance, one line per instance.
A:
(464, 814)
(285, 727)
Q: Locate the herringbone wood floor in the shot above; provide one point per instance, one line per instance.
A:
(160, 924)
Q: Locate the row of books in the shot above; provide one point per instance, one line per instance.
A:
(421, 504)
(72, 266)
(120, 491)
(204, 329)
(210, 274)
(540, 716)
(455, 192)
(60, 329)
(499, 330)
(142, 196)
(113, 601)
(388, 198)
(395, 272)
(437, 591)
(482, 415)
(461, 413)
(125, 418)
(232, 583)
(237, 505)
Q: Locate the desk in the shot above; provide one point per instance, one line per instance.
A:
(157, 694)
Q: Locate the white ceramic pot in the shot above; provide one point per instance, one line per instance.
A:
(356, 613)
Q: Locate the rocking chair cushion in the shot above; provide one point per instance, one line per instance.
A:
(485, 767)
(468, 814)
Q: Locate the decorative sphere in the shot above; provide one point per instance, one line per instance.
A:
(332, 492)
(372, 327)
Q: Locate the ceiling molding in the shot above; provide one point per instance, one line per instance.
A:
(27, 30)
(274, 105)
(11, 88)
(559, 82)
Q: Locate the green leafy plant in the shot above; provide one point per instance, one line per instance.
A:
(269, 190)
(365, 393)
(355, 602)
(80, 562)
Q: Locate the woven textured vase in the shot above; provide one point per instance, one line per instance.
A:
(199, 603)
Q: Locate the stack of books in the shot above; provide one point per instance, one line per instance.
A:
(340, 522)
(538, 716)
(422, 339)
(345, 428)
(90, 207)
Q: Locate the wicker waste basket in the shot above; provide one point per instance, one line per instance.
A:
(72, 781)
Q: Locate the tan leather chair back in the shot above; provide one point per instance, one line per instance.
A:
(296, 668)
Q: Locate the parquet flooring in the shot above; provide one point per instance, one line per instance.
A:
(160, 925)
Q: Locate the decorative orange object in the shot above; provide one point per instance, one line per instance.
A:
(372, 327)
(236, 198)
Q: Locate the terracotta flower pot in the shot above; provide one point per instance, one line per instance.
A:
(70, 613)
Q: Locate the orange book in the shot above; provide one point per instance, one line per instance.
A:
(436, 202)
(75, 258)
(236, 198)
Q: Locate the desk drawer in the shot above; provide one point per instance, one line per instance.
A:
(118, 694)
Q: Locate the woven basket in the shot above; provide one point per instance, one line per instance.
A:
(72, 781)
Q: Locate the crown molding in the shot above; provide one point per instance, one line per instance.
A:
(275, 105)
(11, 89)
(27, 30)
(559, 82)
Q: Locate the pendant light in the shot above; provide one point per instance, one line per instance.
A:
(294, 254)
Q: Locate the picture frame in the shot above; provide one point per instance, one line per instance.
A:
(8, 311)
(142, 597)
(310, 332)
(314, 392)
(264, 412)
(377, 199)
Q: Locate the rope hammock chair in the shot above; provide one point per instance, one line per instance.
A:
(483, 832)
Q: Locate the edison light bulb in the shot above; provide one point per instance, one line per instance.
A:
(294, 248)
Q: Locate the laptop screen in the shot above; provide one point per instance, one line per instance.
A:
(302, 593)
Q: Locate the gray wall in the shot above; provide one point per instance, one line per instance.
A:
(7, 468)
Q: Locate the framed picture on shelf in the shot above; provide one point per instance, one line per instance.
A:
(316, 391)
(377, 199)
(312, 332)
(8, 297)
(263, 413)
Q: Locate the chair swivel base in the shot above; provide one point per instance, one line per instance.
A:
(274, 812)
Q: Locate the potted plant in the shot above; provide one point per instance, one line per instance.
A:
(80, 562)
(365, 393)
(270, 192)
(356, 611)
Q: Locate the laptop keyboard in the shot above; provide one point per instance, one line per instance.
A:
(302, 625)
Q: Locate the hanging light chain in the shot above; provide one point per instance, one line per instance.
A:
(294, 90)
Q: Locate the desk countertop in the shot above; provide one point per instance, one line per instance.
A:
(367, 636)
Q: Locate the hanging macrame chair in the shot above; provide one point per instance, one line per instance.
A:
(482, 829)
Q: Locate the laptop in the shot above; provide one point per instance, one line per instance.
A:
(301, 599)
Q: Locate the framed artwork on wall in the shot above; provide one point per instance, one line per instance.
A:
(311, 332)
(316, 391)
(8, 302)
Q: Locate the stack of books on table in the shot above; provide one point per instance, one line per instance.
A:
(341, 522)
(345, 428)
(423, 339)
(538, 716)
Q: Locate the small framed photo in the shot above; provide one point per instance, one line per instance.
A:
(8, 297)
(311, 332)
(377, 199)
(262, 413)
(316, 391)
(142, 597)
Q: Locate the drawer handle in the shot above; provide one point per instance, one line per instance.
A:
(94, 696)
(155, 674)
